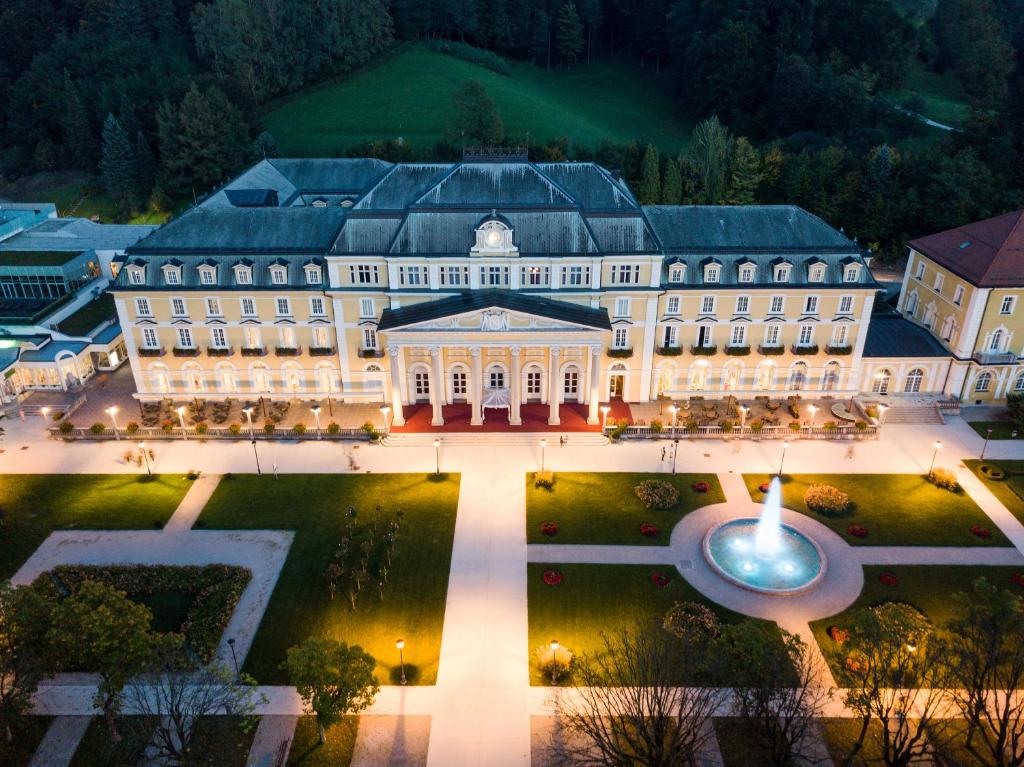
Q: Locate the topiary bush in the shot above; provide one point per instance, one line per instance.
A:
(235, 429)
(692, 622)
(299, 429)
(333, 428)
(657, 494)
(98, 428)
(827, 500)
(131, 427)
(66, 427)
(944, 478)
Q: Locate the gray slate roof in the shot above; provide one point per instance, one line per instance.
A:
(894, 336)
(478, 300)
(77, 235)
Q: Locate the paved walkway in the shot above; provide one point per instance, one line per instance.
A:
(982, 556)
(60, 742)
(392, 741)
(192, 505)
(272, 741)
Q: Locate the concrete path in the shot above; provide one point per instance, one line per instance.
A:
(594, 554)
(734, 487)
(982, 556)
(60, 742)
(272, 741)
(392, 741)
(192, 505)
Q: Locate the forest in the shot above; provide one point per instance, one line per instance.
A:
(793, 100)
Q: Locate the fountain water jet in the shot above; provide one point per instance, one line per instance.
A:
(768, 538)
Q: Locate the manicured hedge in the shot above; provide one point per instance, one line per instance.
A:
(215, 590)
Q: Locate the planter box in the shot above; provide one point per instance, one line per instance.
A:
(839, 351)
(737, 351)
(371, 353)
(179, 352)
(260, 351)
(703, 351)
(670, 351)
(804, 350)
(321, 351)
(159, 352)
(771, 351)
(620, 354)
(285, 351)
(219, 351)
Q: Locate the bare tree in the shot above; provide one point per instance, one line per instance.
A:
(780, 690)
(986, 658)
(175, 694)
(626, 705)
(897, 677)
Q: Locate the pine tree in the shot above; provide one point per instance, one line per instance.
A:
(117, 164)
(569, 33)
(708, 157)
(650, 177)
(745, 174)
(671, 184)
(877, 192)
(476, 119)
(145, 168)
(76, 134)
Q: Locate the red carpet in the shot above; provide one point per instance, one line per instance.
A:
(534, 415)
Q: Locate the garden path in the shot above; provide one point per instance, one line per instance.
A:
(268, 744)
(61, 740)
(191, 506)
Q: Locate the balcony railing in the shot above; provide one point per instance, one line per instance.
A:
(287, 351)
(703, 351)
(805, 349)
(773, 350)
(254, 351)
(185, 351)
(737, 351)
(219, 351)
(994, 358)
(670, 351)
(152, 351)
(621, 354)
(371, 353)
(321, 351)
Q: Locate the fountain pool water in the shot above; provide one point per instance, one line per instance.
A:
(764, 554)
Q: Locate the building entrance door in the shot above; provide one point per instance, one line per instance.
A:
(616, 385)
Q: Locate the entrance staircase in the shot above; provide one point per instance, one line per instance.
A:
(913, 414)
(493, 439)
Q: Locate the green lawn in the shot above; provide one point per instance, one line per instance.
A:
(27, 736)
(220, 741)
(1009, 491)
(34, 505)
(89, 316)
(943, 95)
(602, 508)
(307, 751)
(314, 505)
(596, 598)
(841, 734)
(896, 509)
(926, 587)
(1000, 429)
(75, 194)
(97, 750)
(409, 94)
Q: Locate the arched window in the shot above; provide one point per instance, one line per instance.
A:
(1018, 385)
(227, 380)
(698, 376)
(913, 383)
(830, 378)
(571, 382)
(995, 343)
(984, 382)
(912, 304)
(881, 383)
(495, 377)
(798, 376)
(948, 328)
(262, 382)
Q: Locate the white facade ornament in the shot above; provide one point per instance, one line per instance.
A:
(494, 321)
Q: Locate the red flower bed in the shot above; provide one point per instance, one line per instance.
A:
(660, 579)
(549, 528)
(981, 532)
(651, 531)
(553, 577)
(1018, 579)
(700, 487)
(837, 634)
(763, 487)
(857, 531)
(888, 579)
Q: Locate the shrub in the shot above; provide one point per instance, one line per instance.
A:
(192, 474)
(167, 426)
(478, 56)
(556, 666)
(692, 426)
(98, 428)
(553, 577)
(838, 634)
(944, 478)
(235, 428)
(657, 427)
(660, 579)
(544, 479)
(727, 426)
(825, 499)
(131, 427)
(692, 622)
(872, 411)
(861, 425)
(370, 430)
(619, 430)
(756, 426)
(793, 410)
(299, 429)
(333, 428)
(657, 494)
(269, 427)
(794, 426)
(989, 471)
(829, 426)
(202, 428)
(66, 427)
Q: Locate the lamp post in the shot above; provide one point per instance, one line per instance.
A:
(437, 457)
(181, 420)
(988, 436)
(400, 645)
(252, 437)
(554, 660)
(782, 460)
(384, 414)
(938, 446)
(45, 411)
(112, 412)
(234, 658)
(744, 410)
(814, 411)
(673, 410)
(145, 455)
(881, 413)
(604, 417)
(675, 452)
(315, 410)
(543, 448)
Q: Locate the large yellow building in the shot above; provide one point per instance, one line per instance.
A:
(488, 283)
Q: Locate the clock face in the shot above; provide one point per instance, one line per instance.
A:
(493, 238)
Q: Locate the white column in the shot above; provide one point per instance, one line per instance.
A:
(553, 417)
(515, 384)
(476, 389)
(436, 382)
(398, 419)
(595, 386)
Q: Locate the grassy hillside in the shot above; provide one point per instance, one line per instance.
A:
(409, 94)
(943, 95)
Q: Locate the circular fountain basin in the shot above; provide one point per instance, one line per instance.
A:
(797, 566)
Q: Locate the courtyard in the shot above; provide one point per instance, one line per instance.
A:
(469, 589)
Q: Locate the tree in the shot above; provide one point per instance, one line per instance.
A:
(707, 161)
(986, 659)
(656, 683)
(476, 118)
(76, 133)
(99, 629)
(779, 689)
(650, 177)
(569, 33)
(117, 164)
(671, 184)
(745, 173)
(1015, 407)
(145, 168)
(332, 678)
(174, 693)
(25, 617)
(972, 40)
(896, 676)
(879, 192)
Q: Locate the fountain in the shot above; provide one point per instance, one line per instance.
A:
(764, 554)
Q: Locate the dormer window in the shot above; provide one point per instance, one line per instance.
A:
(243, 274)
(172, 274)
(278, 274)
(207, 275)
(313, 275)
(816, 273)
(319, 202)
(676, 273)
(782, 272)
(851, 272)
(746, 273)
(137, 275)
(712, 272)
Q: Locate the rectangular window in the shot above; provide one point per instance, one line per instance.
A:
(171, 277)
(213, 307)
(919, 272)
(811, 305)
(771, 335)
(142, 307)
(850, 274)
(707, 305)
(248, 307)
(620, 338)
(413, 276)
(937, 284)
(366, 309)
(185, 338)
(676, 273)
(840, 335)
(534, 276)
(178, 307)
(739, 335)
(137, 276)
(284, 306)
(958, 295)
(672, 305)
(493, 276)
(816, 273)
(218, 338)
(243, 276)
(621, 307)
(317, 308)
(746, 274)
(575, 276)
(149, 339)
(364, 274)
(369, 338)
(454, 275)
(1008, 304)
(782, 273)
(287, 338)
(778, 305)
(253, 338)
(320, 339)
(671, 336)
(845, 304)
(206, 276)
(313, 276)
(742, 304)
(806, 335)
(625, 274)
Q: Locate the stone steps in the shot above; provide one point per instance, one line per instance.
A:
(913, 415)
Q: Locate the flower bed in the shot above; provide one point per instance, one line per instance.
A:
(888, 579)
(215, 591)
(701, 487)
(660, 579)
(981, 532)
(857, 531)
(549, 528)
(657, 494)
(1018, 579)
(651, 531)
(837, 634)
(553, 577)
